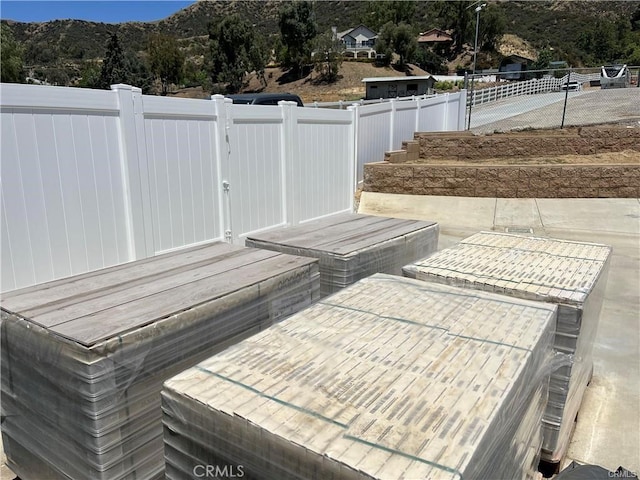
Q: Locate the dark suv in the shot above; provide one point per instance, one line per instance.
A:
(264, 98)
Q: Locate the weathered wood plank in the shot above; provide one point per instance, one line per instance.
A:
(315, 235)
(341, 234)
(118, 319)
(79, 285)
(231, 263)
(375, 237)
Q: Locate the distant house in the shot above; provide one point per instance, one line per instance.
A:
(515, 66)
(435, 37)
(359, 42)
(392, 87)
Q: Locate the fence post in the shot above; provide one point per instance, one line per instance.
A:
(392, 122)
(462, 109)
(566, 99)
(416, 127)
(287, 160)
(222, 128)
(471, 100)
(135, 172)
(354, 170)
(445, 116)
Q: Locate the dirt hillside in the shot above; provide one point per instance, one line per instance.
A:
(348, 87)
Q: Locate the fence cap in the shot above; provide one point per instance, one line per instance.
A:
(124, 86)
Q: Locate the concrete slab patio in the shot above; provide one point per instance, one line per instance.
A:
(607, 431)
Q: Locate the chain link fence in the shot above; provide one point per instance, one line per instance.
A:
(558, 98)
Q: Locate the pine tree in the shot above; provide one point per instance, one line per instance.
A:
(114, 66)
(298, 29)
(235, 51)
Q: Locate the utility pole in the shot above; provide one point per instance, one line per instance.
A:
(475, 45)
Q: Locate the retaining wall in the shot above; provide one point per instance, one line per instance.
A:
(505, 181)
(465, 171)
(576, 141)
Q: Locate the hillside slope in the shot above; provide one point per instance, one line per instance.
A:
(348, 87)
(70, 44)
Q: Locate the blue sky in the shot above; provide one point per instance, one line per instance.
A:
(106, 11)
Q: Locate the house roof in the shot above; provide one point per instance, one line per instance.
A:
(347, 32)
(516, 58)
(434, 35)
(396, 79)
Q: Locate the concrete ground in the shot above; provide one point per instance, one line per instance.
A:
(607, 431)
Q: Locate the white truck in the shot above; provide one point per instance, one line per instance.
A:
(615, 76)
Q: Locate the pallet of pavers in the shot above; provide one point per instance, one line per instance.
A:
(84, 358)
(570, 274)
(389, 378)
(352, 246)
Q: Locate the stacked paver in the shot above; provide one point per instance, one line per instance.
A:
(84, 358)
(351, 246)
(388, 378)
(569, 274)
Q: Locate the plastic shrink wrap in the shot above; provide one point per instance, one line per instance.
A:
(351, 246)
(388, 378)
(570, 274)
(84, 358)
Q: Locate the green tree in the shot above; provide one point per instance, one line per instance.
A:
(114, 66)
(405, 43)
(11, 68)
(119, 66)
(492, 26)
(235, 51)
(396, 12)
(298, 29)
(458, 16)
(165, 60)
(328, 56)
(138, 73)
(384, 42)
(399, 39)
(41, 53)
(635, 20)
(431, 62)
(545, 57)
(90, 75)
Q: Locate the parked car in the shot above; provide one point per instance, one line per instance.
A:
(573, 86)
(264, 98)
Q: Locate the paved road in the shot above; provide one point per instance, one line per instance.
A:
(590, 106)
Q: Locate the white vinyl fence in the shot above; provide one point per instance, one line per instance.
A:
(383, 127)
(511, 89)
(93, 178)
(481, 95)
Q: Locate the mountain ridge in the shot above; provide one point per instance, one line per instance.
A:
(72, 43)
